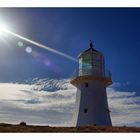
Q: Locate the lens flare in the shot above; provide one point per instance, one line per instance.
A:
(28, 49)
(20, 44)
(47, 62)
(35, 54)
(41, 45)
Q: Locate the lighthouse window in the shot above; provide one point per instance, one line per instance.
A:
(80, 63)
(86, 84)
(85, 110)
(87, 61)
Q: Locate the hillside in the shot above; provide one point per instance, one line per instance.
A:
(30, 128)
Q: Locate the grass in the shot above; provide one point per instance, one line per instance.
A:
(23, 128)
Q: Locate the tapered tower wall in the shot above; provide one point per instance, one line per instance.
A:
(91, 104)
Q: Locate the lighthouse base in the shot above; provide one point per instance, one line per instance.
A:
(91, 106)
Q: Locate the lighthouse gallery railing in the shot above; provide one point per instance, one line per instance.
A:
(91, 72)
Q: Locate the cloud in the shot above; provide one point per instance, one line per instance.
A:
(36, 104)
(51, 102)
(125, 107)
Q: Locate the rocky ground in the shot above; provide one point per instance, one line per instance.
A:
(90, 129)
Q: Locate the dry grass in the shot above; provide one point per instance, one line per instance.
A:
(90, 129)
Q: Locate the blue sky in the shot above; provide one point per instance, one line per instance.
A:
(114, 31)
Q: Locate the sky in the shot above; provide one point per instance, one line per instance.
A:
(52, 102)
(113, 31)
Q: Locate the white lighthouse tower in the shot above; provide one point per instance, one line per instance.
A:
(91, 82)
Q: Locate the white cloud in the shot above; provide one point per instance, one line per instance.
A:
(125, 107)
(35, 105)
(51, 102)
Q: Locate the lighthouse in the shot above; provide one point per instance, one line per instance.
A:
(91, 106)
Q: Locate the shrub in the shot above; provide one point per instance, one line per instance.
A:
(23, 123)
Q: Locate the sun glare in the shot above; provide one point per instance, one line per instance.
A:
(3, 28)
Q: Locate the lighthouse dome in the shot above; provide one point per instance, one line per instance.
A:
(91, 62)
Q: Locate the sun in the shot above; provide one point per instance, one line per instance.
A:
(3, 28)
